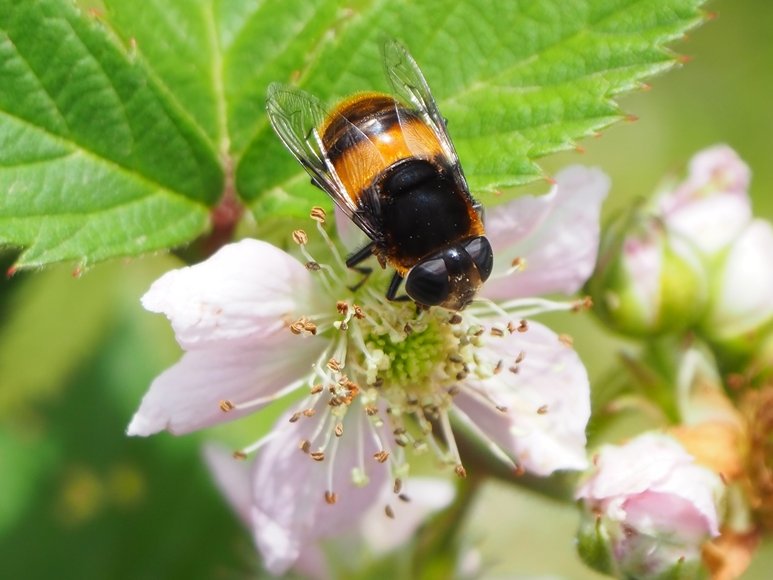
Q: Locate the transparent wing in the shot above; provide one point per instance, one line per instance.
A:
(295, 116)
(409, 84)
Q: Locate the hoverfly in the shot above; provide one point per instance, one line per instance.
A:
(388, 163)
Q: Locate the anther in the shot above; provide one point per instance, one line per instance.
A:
(318, 214)
(240, 455)
(519, 470)
(518, 263)
(300, 237)
(453, 391)
(496, 331)
(304, 445)
(460, 471)
(498, 368)
(455, 319)
(511, 328)
(520, 357)
(455, 358)
(404, 498)
(341, 325)
(523, 326)
(330, 498)
(515, 369)
(389, 512)
(542, 410)
(398, 486)
(309, 412)
(407, 329)
(334, 365)
(381, 456)
(339, 429)
(316, 389)
(342, 307)
(226, 406)
(585, 303)
(501, 408)
(317, 455)
(294, 417)
(566, 340)
(358, 313)
(312, 266)
(370, 410)
(460, 376)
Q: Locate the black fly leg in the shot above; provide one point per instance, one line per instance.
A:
(357, 257)
(394, 286)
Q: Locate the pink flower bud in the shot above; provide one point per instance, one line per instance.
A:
(649, 509)
(647, 282)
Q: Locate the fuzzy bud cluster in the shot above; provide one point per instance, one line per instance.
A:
(692, 257)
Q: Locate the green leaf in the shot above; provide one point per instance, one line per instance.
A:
(515, 83)
(116, 129)
(96, 160)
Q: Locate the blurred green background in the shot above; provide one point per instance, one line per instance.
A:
(79, 499)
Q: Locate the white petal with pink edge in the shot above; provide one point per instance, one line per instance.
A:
(289, 505)
(424, 496)
(187, 396)
(242, 294)
(547, 401)
(556, 237)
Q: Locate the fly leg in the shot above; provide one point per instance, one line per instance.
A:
(356, 258)
(394, 286)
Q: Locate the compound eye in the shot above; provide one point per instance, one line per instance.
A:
(428, 282)
(480, 251)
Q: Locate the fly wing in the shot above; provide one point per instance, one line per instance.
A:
(410, 85)
(296, 117)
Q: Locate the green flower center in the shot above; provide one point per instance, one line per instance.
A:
(411, 359)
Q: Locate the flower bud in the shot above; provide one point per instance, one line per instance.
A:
(649, 509)
(710, 206)
(647, 281)
(741, 288)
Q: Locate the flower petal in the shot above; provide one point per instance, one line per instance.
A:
(633, 467)
(244, 293)
(232, 477)
(547, 401)
(187, 396)
(289, 507)
(711, 206)
(427, 495)
(744, 300)
(556, 235)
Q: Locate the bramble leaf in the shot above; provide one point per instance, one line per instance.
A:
(117, 128)
(95, 160)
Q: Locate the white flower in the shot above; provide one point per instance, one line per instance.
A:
(383, 380)
(370, 533)
(650, 505)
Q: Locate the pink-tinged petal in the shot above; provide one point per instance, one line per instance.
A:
(289, 507)
(634, 467)
(187, 396)
(547, 401)
(743, 300)
(555, 235)
(243, 294)
(232, 477)
(427, 495)
(313, 564)
(699, 487)
(711, 206)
